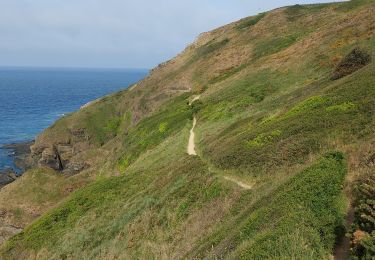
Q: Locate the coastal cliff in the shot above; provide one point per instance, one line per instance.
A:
(278, 112)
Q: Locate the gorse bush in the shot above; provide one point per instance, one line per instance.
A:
(354, 61)
(347, 106)
(263, 139)
(363, 234)
(307, 106)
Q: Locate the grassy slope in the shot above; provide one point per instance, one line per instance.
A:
(268, 120)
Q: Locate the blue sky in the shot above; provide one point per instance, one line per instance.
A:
(112, 33)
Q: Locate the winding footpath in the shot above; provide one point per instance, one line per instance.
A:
(239, 183)
(191, 150)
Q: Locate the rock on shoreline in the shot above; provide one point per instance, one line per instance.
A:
(21, 154)
(21, 157)
(7, 176)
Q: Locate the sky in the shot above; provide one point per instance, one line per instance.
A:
(112, 33)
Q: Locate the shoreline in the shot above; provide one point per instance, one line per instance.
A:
(19, 153)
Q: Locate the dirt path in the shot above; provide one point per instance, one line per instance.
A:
(191, 150)
(194, 99)
(342, 249)
(191, 144)
(239, 183)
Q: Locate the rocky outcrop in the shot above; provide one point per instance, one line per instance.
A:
(62, 153)
(51, 158)
(7, 176)
(60, 157)
(7, 231)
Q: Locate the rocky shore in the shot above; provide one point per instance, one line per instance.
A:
(7, 176)
(20, 153)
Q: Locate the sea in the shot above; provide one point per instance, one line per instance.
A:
(31, 99)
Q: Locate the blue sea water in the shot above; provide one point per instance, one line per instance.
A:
(32, 99)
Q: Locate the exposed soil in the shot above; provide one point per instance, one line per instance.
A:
(191, 144)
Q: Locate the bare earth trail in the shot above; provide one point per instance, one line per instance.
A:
(239, 183)
(191, 144)
(191, 150)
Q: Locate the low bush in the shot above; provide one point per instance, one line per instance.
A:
(354, 61)
(263, 139)
(363, 233)
(347, 106)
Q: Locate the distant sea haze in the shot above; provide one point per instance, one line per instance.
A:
(31, 99)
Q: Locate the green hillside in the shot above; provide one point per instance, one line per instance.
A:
(284, 138)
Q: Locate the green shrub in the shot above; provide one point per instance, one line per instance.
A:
(263, 139)
(307, 105)
(250, 21)
(346, 106)
(363, 231)
(113, 125)
(197, 106)
(163, 127)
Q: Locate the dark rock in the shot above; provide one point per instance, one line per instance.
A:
(7, 176)
(50, 158)
(21, 154)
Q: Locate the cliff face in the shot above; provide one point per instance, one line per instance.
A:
(279, 139)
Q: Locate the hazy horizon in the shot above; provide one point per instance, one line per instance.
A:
(19, 67)
(113, 34)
